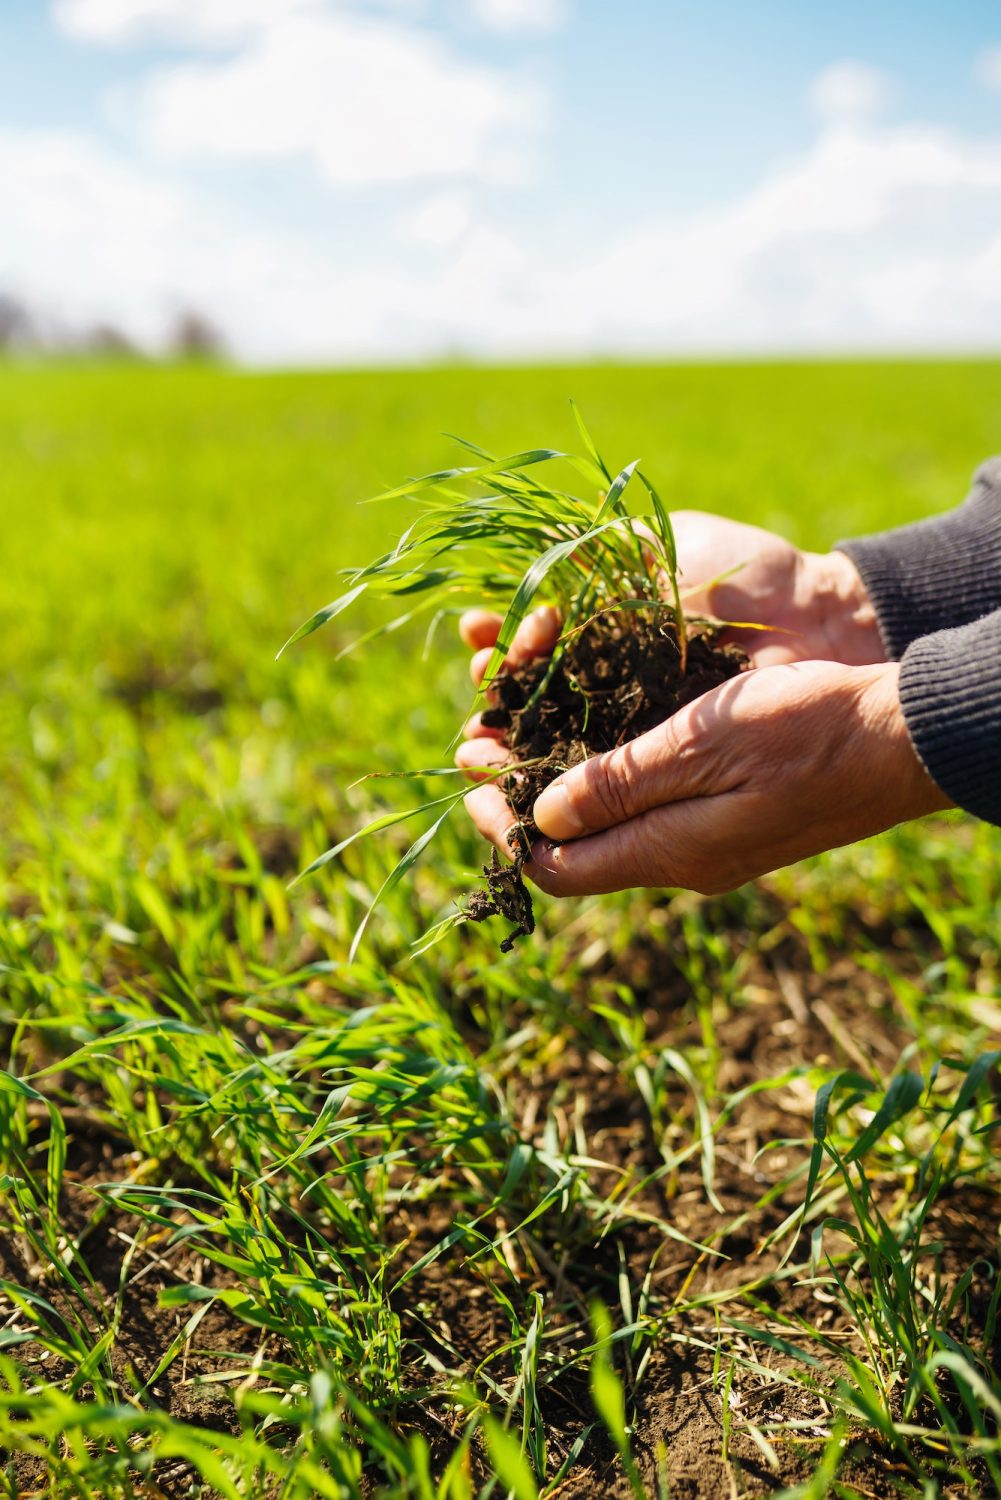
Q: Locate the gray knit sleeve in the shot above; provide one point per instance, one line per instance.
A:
(938, 573)
(950, 691)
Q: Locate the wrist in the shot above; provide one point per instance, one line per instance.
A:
(846, 612)
(908, 787)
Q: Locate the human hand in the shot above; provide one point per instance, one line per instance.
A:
(815, 603)
(770, 767)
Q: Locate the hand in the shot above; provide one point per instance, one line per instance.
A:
(816, 602)
(764, 770)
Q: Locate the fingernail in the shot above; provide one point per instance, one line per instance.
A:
(554, 815)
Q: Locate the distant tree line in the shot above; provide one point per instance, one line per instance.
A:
(25, 332)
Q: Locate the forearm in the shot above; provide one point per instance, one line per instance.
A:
(935, 574)
(950, 693)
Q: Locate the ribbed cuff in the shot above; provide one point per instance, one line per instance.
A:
(938, 573)
(950, 692)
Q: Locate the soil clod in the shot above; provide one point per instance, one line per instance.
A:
(506, 894)
(617, 678)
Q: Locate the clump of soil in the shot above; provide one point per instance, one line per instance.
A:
(617, 678)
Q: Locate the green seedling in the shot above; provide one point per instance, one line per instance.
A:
(507, 531)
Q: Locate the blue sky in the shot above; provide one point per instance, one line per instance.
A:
(343, 180)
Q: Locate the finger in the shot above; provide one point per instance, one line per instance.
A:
(536, 636)
(767, 648)
(684, 845)
(479, 662)
(479, 628)
(477, 730)
(689, 755)
(622, 858)
(493, 818)
(478, 758)
(492, 815)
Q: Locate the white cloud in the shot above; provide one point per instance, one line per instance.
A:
(123, 22)
(988, 67)
(76, 226)
(440, 221)
(850, 91)
(521, 15)
(874, 237)
(358, 90)
(194, 23)
(364, 99)
(87, 237)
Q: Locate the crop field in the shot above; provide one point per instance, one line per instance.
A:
(685, 1196)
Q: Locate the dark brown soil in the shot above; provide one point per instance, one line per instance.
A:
(617, 678)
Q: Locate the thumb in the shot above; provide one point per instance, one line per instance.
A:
(683, 757)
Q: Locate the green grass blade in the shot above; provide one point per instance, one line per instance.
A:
(612, 503)
(589, 443)
(328, 612)
(476, 471)
(902, 1096)
(411, 857)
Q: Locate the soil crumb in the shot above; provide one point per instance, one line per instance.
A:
(617, 678)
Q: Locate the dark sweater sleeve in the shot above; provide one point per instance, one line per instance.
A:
(950, 691)
(938, 573)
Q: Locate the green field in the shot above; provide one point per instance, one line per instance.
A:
(686, 1196)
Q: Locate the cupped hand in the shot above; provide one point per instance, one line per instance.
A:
(782, 762)
(815, 603)
(770, 767)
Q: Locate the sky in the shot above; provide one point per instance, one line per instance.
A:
(366, 181)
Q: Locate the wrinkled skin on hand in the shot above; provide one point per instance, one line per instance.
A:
(806, 751)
